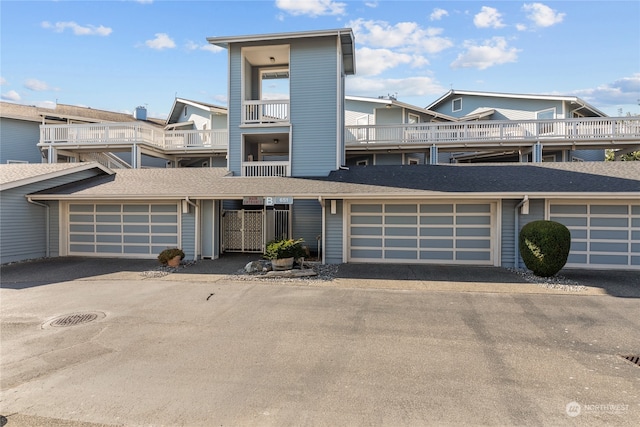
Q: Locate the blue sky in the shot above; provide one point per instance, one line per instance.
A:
(116, 55)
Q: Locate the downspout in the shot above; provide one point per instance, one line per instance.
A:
(46, 225)
(324, 225)
(195, 227)
(516, 261)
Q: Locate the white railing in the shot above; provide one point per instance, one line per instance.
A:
(109, 160)
(132, 133)
(215, 139)
(265, 111)
(462, 134)
(266, 168)
(101, 133)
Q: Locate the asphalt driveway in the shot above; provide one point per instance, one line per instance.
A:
(199, 350)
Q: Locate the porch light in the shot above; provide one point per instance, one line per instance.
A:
(275, 141)
(272, 60)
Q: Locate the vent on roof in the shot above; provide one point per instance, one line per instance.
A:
(140, 113)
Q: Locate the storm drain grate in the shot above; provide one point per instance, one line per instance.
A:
(74, 319)
(635, 359)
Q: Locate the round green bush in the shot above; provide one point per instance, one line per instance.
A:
(544, 247)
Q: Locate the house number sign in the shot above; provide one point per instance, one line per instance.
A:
(278, 200)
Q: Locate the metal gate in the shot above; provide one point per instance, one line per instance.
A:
(249, 230)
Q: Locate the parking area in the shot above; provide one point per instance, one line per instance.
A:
(198, 348)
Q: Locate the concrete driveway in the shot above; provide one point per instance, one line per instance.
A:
(198, 349)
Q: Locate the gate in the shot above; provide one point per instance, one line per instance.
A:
(249, 230)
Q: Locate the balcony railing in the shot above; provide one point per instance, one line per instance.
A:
(587, 131)
(266, 168)
(265, 111)
(124, 134)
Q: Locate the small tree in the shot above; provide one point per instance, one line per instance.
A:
(544, 247)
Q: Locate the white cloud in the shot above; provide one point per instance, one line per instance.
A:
(542, 15)
(3, 81)
(623, 91)
(311, 7)
(162, 41)
(521, 27)
(78, 30)
(372, 62)
(411, 86)
(36, 85)
(371, 4)
(191, 45)
(491, 52)
(488, 17)
(408, 37)
(12, 95)
(438, 14)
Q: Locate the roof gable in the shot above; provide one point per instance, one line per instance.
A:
(17, 175)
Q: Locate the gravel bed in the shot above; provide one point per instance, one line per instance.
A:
(325, 272)
(553, 282)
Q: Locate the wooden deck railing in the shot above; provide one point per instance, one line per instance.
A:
(266, 168)
(123, 134)
(477, 133)
(265, 111)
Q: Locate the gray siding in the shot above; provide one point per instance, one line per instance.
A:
(333, 250)
(314, 98)
(588, 155)
(506, 108)
(18, 141)
(389, 159)
(54, 228)
(235, 108)
(188, 233)
(23, 225)
(307, 222)
(207, 237)
(388, 116)
(509, 239)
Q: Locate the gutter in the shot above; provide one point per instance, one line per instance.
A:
(46, 225)
(196, 230)
(516, 229)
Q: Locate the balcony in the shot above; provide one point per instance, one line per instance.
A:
(125, 135)
(261, 112)
(570, 133)
(266, 168)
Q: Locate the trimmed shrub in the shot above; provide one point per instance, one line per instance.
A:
(544, 247)
(170, 253)
(285, 248)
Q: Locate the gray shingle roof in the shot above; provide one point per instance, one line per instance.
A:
(365, 182)
(14, 175)
(576, 177)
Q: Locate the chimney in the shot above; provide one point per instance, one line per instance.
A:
(140, 113)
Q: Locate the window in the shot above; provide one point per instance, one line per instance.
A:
(413, 161)
(364, 162)
(14, 162)
(456, 104)
(576, 159)
(185, 111)
(414, 118)
(546, 127)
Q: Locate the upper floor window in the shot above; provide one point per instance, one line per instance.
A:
(456, 104)
(413, 118)
(185, 111)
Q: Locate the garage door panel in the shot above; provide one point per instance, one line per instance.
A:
(422, 232)
(122, 229)
(436, 255)
(400, 255)
(602, 234)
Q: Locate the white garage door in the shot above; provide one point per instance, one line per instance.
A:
(445, 233)
(602, 235)
(122, 229)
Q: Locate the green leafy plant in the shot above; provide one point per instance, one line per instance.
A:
(170, 253)
(285, 248)
(544, 247)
